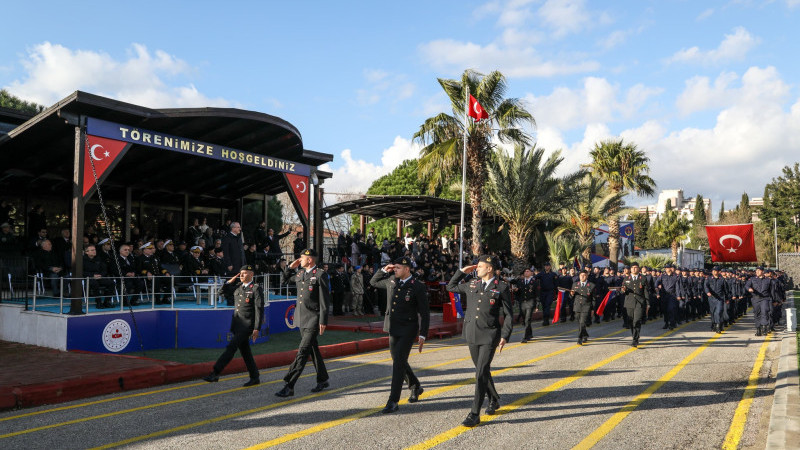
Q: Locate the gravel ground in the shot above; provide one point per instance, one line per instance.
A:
(553, 392)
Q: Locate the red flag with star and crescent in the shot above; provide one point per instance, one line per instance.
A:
(299, 190)
(476, 111)
(732, 243)
(105, 154)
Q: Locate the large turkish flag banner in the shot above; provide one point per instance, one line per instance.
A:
(732, 243)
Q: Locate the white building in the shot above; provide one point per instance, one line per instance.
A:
(685, 206)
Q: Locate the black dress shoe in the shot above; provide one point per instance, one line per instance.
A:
(472, 420)
(665, 327)
(252, 382)
(415, 393)
(524, 341)
(390, 407)
(320, 386)
(580, 341)
(492, 407)
(285, 392)
(211, 378)
(635, 343)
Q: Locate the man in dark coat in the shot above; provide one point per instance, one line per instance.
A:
(247, 319)
(232, 255)
(526, 295)
(311, 316)
(407, 318)
(637, 300)
(485, 299)
(583, 293)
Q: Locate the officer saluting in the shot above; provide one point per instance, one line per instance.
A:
(584, 293)
(311, 316)
(407, 303)
(247, 317)
(637, 298)
(485, 299)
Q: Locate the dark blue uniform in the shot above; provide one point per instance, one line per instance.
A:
(761, 288)
(670, 289)
(548, 282)
(717, 290)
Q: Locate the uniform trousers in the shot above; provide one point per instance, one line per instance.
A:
(546, 298)
(715, 305)
(584, 318)
(482, 356)
(308, 347)
(526, 309)
(241, 342)
(635, 315)
(400, 347)
(761, 310)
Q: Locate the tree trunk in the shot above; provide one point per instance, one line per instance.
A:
(475, 199)
(476, 177)
(674, 247)
(586, 256)
(519, 248)
(613, 240)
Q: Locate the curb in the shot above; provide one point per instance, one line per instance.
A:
(162, 372)
(784, 421)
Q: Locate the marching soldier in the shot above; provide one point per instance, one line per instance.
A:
(670, 290)
(247, 319)
(761, 288)
(485, 299)
(526, 293)
(547, 288)
(637, 300)
(583, 302)
(311, 316)
(717, 290)
(407, 318)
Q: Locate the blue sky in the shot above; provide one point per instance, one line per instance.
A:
(708, 89)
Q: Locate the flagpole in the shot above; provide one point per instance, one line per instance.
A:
(775, 222)
(463, 176)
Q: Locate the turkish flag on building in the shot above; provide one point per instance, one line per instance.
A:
(103, 153)
(299, 191)
(476, 111)
(732, 243)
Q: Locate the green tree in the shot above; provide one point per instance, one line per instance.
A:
(782, 202)
(672, 228)
(721, 211)
(13, 102)
(641, 228)
(745, 214)
(443, 137)
(590, 206)
(563, 248)
(698, 238)
(625, 168)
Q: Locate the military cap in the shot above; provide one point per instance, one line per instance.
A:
(546, 263)
(356, 267)
(5, 225)
(104, 241)
(760, 268)
(309, 252)
(148, 244)
(168, 242)
(715, 268)
(668, 265)
(217, 249)
(489, 259)
(247, 267)
(196, 249)
(634, 264)
(403, 261)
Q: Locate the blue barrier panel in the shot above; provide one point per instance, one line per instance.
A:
(115, 333)
(208, 329)
(281, 316)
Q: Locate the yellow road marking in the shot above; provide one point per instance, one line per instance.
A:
(454, 432)
(601, 431)
(334, 423)
(740, 416)
(288, 402)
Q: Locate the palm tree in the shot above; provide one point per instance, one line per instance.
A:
(672, 229)
(443, 137)
(592, 204)
(625, 169)
(524, 191)
(563, 248)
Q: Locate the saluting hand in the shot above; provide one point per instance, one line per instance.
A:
(469, 269)
(388, 268)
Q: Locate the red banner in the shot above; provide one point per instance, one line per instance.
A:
(603, 304)
(559, 302)
(732, 243)
(299, 189)
(104, 153)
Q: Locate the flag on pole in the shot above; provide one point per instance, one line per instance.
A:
(731, 243)
(455, 300)
(603, 304)
(475, 110)
(559, 302)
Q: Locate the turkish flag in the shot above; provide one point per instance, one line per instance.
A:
(102, 153)
(476, 111)
(732, 243)
(299, 185)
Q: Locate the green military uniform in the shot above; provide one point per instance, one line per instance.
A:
(584, 297)
(637, 298)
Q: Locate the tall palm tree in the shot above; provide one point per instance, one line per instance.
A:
(592, 204)
(524, 191)
(625, 169)
(563, 248)
(442, 137)
(672, 228)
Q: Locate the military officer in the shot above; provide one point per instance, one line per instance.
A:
(670, 290)
(148, 266)
(547, 283)
(311, 316)
(583, 293)
(717, 290)
(407, 318)
(526, 292)
(247, 319)
(761, 289)
(485, 299)
(637, 300)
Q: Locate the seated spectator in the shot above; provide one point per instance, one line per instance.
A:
(9, 244)
(125, 269)
(96, 273)
(49, 265)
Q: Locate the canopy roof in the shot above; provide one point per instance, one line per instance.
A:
(416, 208)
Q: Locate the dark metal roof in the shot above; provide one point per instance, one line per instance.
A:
(38, 155)
(416, 208)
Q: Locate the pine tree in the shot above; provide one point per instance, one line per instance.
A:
(721, 211)
(744, 209)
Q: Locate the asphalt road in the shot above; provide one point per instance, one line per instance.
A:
(680, 389)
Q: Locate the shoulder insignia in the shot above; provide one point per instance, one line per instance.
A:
(314, 271)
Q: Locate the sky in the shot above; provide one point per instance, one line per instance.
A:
(708, 89)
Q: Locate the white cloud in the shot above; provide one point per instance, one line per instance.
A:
(759, 87)
(597, 101)
(565, 16)
(734, 47)
(792, 3)
(54, 71)
(356, 175)
(382, 84)
(705, 15)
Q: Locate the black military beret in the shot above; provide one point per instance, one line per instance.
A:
(715, 268)
(760, 268)
(668, 265)
(403, 261)
(247, 267)
(309, 252)
(489, 259)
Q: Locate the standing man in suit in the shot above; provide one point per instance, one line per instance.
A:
(637, 299)
(247, 318)
(407, 318)
(548, 281)
(485, 299)
(526, 294)
(583, 302)
(311, 316)
(232, 256)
